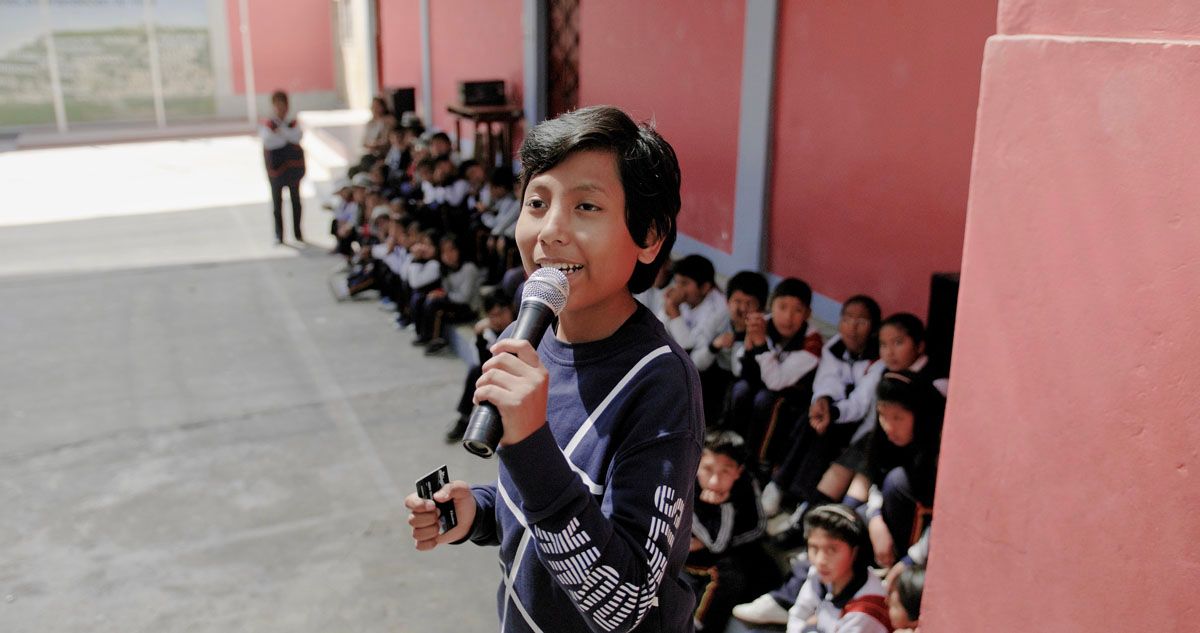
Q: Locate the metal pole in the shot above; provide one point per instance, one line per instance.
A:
(60, 110)
(426, 67)
(247, 61)
(160, 110)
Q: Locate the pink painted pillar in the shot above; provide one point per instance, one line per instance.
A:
(1069, 492)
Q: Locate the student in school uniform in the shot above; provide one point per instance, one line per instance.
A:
(285, 162)
(720, 361)
(693, 307)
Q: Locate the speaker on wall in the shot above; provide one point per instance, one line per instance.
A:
(403, 100)
(943, 305)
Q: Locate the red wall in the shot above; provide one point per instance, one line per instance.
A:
(874, 124)
(1068, 488)
(669, 61)
(472, 40)
(291, 42)
(400, 44)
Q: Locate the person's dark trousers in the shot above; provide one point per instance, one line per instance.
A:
(714, 386)
(750, 413)
(439, 312)
(899, 509)
(465, 404)
(740, 575)
(785, 595)
(808, 457)
(277, 207)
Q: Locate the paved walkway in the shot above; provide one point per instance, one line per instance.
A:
(195, 436)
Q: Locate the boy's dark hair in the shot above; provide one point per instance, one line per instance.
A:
(916, 394)
(279, 95)
(729, 444)
(751, 283)
(872, 306)
(698, 268)
(845, 525)
(910, 323)
(497, 299)
(427, 163)
(440, 136)
(405, 221)
(502, 178)
(465, 165)
(794, 287)
(910, 584)
(383, 102)
(646, 163)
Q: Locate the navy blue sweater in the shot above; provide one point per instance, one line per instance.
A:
(593, 511)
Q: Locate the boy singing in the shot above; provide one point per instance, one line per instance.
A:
(603, 423)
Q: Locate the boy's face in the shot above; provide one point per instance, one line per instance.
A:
(498, 192)
(450, 254)
(280, 107)
(896, 422)
(896, 348)
(499, 317)
(573, 219)
(693, 293)
(360, 194)
(855, 327)
(833, 557)
(716, 476)
(443, 172)
(788, 314)
(740, 304)
(475, 175)
(439, 147)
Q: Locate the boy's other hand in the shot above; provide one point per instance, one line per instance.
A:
(515, 381)
(423, 515)
(756, 330)
(482, 325)
(881, 541)
(723, 341)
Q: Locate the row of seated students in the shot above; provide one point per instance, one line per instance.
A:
(841, 436)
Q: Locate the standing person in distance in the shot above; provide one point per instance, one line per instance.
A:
(285, 162)
(603, 423)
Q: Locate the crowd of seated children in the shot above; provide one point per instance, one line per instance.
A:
(853, 423)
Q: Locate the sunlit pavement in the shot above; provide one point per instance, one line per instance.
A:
(196, 437)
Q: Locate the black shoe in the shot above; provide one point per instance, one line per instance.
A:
(435, 346)
(420, 342)
(299, 237)
(455, 433)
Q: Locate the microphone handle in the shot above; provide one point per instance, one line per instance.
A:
(484, 427)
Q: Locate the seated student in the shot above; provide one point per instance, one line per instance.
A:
(381, 183)
(779, 358)
(362, 276)
(726, 564)
(457, 299)
(840, 593)
(393, 253)
(423, 274)
(440, 147)
(399, 153)
(479, 195)
(693, 307)
(498, 223)
(720, 361)
(902, 461)
(498, 314)
(904, 600)
(446, 194)
(901, 347)
(841, 411)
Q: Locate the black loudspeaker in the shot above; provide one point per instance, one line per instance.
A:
(482, 93)
(403, 100)
(939, 332)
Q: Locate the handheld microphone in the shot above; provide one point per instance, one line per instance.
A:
(544, 296)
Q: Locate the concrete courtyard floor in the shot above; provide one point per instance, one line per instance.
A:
(195, 436)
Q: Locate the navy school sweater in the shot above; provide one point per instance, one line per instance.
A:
(593, 511)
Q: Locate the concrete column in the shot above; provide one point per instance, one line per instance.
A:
(1068, 489)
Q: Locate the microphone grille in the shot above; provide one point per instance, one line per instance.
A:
(548, 286)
